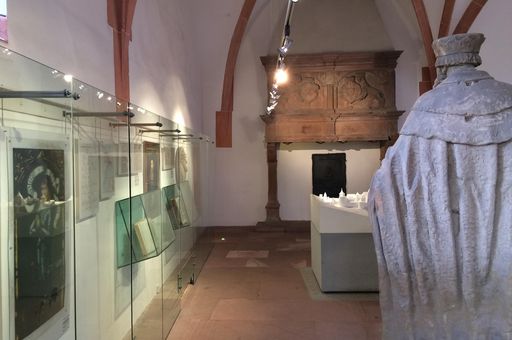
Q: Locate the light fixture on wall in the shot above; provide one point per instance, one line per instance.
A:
(281, 73)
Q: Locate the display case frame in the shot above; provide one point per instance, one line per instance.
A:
(101, 300)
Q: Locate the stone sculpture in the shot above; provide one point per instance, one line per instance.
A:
(441, 206)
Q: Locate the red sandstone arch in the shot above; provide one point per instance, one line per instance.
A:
(223, 121)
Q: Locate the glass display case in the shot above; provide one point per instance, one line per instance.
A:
(101, 210)
(36, 195)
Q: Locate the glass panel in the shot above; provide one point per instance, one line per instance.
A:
(175, 208)
(3, 20)
(36, 190)
(195, 244)
(170, 256)
(146, 229)
(92, 203)
(143, 241)
(103, 290)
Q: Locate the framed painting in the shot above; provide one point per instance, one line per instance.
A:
(137, 158)
(41, 218)
(107, 171)
(183, 166)
(123, 160)
(87, 179)
(151, 170)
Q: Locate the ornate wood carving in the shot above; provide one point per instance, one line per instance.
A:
(335, 97)
(330, 97)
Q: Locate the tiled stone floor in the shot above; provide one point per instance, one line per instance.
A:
(266, 297)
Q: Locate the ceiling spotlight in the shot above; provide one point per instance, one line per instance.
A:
(109, 98)
(141, 110)
(81, 86)
(286, 45)
(274, 95)
(295, 0)
(99, 94)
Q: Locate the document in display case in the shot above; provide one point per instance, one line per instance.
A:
(88, 179)
(168, 157)
(107, 171)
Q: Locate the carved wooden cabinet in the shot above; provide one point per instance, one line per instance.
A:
(328, 98)
(334, 97)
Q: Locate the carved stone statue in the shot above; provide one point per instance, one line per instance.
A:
(441, 206)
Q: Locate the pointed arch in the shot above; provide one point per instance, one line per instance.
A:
(223, 121)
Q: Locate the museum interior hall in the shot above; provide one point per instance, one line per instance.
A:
(255, 169)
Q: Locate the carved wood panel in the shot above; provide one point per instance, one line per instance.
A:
(305, 91)
(335, 97)
(365, 91)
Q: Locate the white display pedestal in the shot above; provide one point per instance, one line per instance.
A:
(342, 251)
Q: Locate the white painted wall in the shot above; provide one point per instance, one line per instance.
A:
(400, 22)
(164, 61)
(178, 56)
(71, 36)
(239, 190)
(494, 23)
(74, 37)
(335, 25)
(295, 172)
(239, 176)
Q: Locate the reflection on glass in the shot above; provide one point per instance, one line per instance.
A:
(142, 237)
(153, 232)
(70, 161)
(39, 232)
(175, 207)
(3, 20)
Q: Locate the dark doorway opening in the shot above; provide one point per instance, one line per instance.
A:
(329, 174)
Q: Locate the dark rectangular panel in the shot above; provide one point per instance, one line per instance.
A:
(329, 174)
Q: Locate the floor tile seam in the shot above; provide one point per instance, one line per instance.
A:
(357, 315)
(285, 318)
